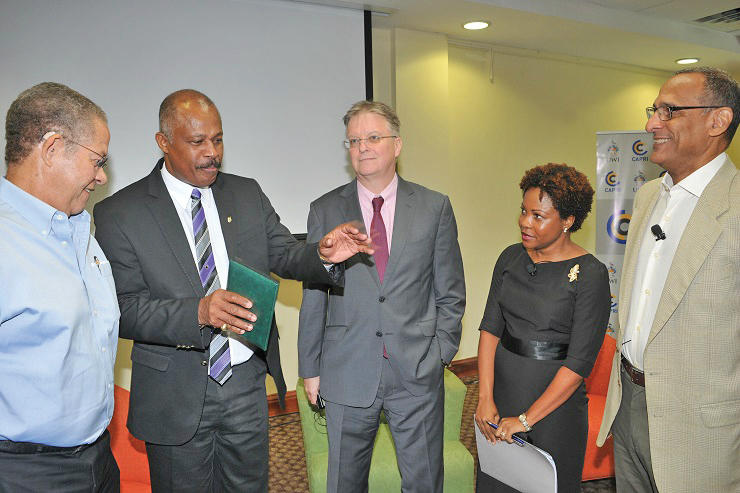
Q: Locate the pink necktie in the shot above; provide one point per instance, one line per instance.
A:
(380, 244)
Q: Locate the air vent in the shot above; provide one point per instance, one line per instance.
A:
(727, 21)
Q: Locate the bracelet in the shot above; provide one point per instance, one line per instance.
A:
(523, 421)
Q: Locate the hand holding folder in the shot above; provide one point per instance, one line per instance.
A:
(520, 465)
(262, 291)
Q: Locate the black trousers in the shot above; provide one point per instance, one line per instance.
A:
(90, 468)
(229, 451)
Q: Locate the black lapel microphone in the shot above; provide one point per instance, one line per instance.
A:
(532, 269)
(657, 232)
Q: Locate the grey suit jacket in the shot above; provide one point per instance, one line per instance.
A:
(416, 312)
(692, 358)
(159, 290)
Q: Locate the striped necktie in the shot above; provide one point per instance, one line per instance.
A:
(219, 361)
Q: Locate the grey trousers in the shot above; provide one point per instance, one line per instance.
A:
(417, 427)
(633, 467)
(229, 452)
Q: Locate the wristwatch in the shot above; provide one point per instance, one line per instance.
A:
(523, 421)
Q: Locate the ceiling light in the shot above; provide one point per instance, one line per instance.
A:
(475, 25)
(686, 61)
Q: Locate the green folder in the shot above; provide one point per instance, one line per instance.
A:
(262, 291)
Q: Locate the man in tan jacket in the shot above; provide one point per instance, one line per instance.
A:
(674, 394)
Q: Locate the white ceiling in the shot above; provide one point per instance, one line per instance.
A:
(645, 33)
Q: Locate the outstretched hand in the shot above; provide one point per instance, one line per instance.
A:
(344, 241)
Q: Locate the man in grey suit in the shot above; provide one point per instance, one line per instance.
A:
(197, 393)
(674, 395)
(380, 342)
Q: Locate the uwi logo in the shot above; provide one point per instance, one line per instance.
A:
(617, 226)
(611, 179)
(613, 151)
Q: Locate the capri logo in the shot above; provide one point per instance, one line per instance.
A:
(611, 179)
(617, 226)
(638, 147)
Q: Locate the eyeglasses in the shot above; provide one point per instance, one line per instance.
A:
(100, 163)
(665, 113)
(373, 140)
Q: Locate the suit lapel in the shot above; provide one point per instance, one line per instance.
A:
(402, 221)
(226, 205)
(163, 210)
(699, 237)
(636, 228)
(352, 212)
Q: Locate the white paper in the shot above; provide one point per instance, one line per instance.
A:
(527, 468)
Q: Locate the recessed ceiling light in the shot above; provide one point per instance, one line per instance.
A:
(475, 25)
(686, 61)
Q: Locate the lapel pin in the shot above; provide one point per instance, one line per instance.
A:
(228, 219)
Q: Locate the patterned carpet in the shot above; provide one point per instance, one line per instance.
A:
(288, 460)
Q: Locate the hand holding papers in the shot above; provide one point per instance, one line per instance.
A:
(262, 291)
(520, 465)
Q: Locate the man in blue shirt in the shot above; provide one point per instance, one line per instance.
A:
(58, 308)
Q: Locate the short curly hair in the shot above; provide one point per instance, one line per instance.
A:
(568, 188)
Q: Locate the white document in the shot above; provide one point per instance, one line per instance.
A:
(527, 468)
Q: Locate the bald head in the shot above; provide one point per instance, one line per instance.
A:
(180, 105)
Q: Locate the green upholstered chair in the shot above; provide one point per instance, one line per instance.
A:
(384, 475)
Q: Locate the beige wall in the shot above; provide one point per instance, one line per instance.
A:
(473, 138)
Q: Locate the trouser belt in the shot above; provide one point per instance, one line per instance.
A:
(637, 377)
(39, 448)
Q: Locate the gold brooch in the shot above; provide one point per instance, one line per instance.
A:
(573, 274)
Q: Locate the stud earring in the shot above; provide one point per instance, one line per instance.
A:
(565, 230)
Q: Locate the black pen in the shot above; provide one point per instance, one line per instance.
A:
(517, 440)
(97, 262)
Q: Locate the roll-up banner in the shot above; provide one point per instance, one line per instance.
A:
(622, 167)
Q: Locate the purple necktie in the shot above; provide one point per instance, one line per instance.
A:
(219, 360)
(379, 237)
(380, 244)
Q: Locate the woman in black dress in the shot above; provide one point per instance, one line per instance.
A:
(543, 326)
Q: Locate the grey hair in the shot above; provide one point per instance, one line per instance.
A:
(720, 89)
(48, 106)
(378, 108)
(168, 108)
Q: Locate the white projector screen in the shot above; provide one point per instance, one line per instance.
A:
(282, 74)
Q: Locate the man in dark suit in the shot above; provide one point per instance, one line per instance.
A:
(197, 394)
(381, 341)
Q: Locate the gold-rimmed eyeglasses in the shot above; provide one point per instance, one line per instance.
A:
(373, 140)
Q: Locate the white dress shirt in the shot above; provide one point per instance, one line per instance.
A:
(180, 193)
(672, 211)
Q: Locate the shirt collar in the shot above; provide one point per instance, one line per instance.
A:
(388, 192)
(181, 191)
(697, 181)
(34, 210)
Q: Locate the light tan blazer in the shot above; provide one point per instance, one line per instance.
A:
(692, 358)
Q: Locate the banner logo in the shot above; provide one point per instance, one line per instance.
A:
(638, 147)
(617, 226)
(613, 151)
(612, 269)
(611, 179)
(614, 303)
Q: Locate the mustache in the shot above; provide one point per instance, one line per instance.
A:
(215, 163)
